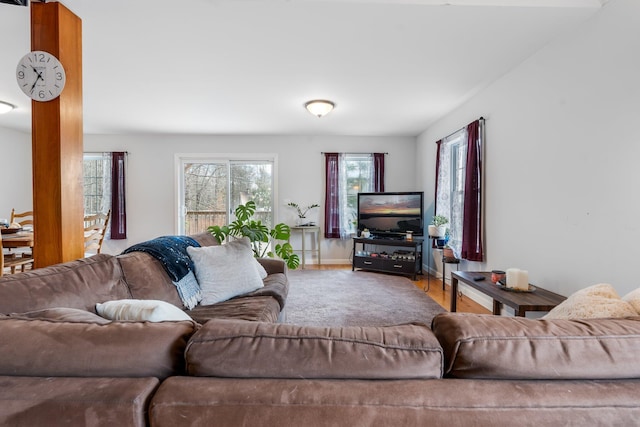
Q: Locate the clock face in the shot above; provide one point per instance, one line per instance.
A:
(40, 76)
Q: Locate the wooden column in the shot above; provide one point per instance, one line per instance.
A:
(57, 141)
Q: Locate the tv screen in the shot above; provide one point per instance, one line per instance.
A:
(16, 2)
(391, 214)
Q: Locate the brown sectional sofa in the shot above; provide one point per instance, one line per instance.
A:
(61, 364)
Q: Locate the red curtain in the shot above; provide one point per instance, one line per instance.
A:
(332, 199)
(118, 200)
(435, 197)
(472, 212)
(378, 172)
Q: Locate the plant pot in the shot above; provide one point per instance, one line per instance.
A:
(448, 253)
(437, 231)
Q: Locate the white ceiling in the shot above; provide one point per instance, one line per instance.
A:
(248, 66)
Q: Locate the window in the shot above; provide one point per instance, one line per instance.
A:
(104, 189)
(96, 181)
(211, 189)
(458, 189)
(450, 197)
(357, 174)
(348, 174)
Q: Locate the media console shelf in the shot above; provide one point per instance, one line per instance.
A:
(397, 256)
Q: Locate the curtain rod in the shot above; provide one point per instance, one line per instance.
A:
(323, 152)
(445, 137)
(100, 152)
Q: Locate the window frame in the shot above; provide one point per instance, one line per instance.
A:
(456, 146)
(228, 158)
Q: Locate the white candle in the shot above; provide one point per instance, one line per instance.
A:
(523, 280)
(512, 277)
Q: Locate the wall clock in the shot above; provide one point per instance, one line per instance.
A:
(40, 76)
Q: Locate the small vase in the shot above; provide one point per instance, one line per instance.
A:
(300, 221)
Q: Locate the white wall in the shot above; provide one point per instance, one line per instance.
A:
(562, 150)
(151, 200)
(15, 172)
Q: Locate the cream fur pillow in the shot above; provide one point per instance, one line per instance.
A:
(633, 298)
(597, 301)
(141, 310)
(225, 271)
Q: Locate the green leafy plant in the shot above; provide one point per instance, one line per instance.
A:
(259, 234)
(302, 212)
(439, 220)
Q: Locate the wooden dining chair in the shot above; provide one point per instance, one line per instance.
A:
(22, 218)
(13, 260)
(95, 228)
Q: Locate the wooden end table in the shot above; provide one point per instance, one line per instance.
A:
(521, 302)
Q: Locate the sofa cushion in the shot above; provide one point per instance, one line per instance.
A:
(241, 349)
(37, 401)
(486, 346)
(593, 302)
(141, 310)
(251, 307)
(76, 284)
(205, 239)
(192, 401)
(63, 314)
(147, 279)
(117, 349)
(225, 271)
(276, 285)
(273, 266)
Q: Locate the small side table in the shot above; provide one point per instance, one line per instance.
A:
(303, 229)
(445, 261)
(521, 302)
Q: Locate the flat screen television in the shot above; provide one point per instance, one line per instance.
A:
(391, 214)
(16, 2)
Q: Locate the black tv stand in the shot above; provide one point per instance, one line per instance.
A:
(385, 237)
(398, 261)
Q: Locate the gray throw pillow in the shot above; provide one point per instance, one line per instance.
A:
(225, 271)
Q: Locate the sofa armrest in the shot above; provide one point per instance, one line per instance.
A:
(273, 266)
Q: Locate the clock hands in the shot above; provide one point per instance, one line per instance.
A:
(39, 77)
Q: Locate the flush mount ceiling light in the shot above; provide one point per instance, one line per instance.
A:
(319, 107)
(5, 107)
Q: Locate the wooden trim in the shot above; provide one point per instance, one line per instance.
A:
(57, 141)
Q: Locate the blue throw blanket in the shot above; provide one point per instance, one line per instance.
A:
(171, 251)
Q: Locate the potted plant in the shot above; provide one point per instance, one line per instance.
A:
(302, 212)
(448, 253)
(438, 228)
(259, 235)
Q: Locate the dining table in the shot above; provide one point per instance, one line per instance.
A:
(21, 239)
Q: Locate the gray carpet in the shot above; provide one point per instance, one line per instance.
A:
(355, 298)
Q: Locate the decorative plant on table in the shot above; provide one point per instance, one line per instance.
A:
(259, 235)
(438, 228)
(302, 212)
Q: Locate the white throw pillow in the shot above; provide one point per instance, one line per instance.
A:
(594, 302)
(633, 298)
(225, 271)
(140, 310)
